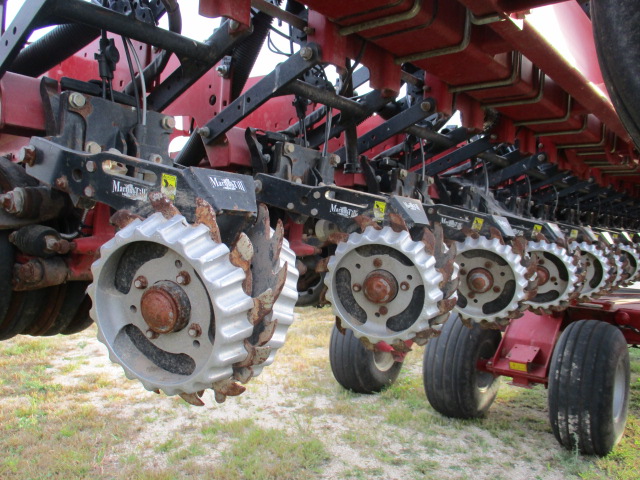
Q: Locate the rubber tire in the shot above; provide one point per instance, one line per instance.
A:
(354, 366)
(449, 370)
(582, 384)
(311, 295)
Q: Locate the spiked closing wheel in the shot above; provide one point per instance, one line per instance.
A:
(493, 281)
(596, 266)
(182, 312)
(385, 287)
(632, 264)
(557, 277)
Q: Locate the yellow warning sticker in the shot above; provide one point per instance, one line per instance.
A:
(537, 228)
(477, 224)
(520, 367)
(573, 233)
(169, 185)
(615, 235)
(378, 210)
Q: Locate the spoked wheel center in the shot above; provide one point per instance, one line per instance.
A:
(382, 286)
(487, 285)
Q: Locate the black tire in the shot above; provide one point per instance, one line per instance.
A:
(81, 321)
(453, 384)
(589, 387)
(617, 34)
(310, 295)
(358, 369)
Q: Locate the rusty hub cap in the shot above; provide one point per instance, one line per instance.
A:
(380, 286)
(542, 275)
(165, 307)
(479, 280)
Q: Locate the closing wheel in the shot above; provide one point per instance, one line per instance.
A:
(357, 368)
(557, 277)
(493, 281)
(181, 312)
(596, 267)
(589, 387)
(453, 384)
(386, 287)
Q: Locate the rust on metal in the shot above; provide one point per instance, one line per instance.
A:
(321, 266)
(193, 399)
(206, 216)
(364, 221)
(429, 240)
(269, 328)
(380, 286)
(240, 256)
(480, 280)
(140, 282)
(339, 326)
(161, 203)
(122, 218)
(183, 278)
(519, 246)
(446, 304)
(337, 237)
(62, 183)
(243, 374)
(165, 307)
(495, 233)
(397, 223)
(227, 388)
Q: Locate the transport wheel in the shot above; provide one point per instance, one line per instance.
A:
(311, 284)
(589, 387)
(452, 382)
(358, 369)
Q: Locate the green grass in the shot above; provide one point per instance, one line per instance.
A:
(59, 420)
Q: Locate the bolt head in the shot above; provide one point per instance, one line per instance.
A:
(204, 131)
(77, 100)
(289, 147)
(306, 53)
(168, 123)
(356, 287)
(233, 25)
(290, 206)
(90, 166)
(92, 147)
(89, 191)
(140, 282)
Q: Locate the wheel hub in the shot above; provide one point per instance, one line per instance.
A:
(165, 307)
(542, 275)
(380, 286)
(480, 280)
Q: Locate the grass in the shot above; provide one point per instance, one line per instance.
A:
(67, 413)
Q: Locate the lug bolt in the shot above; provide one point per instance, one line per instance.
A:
(183, 278)
(463, 271)
(488, 265)
(194, 330)
(383, 310)
(357, 287)
(553, 279)
(150, 334)
(496, 289)
(289, 148)
(471, 295)
(404, 286)
(140, 282)
(377, 262)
